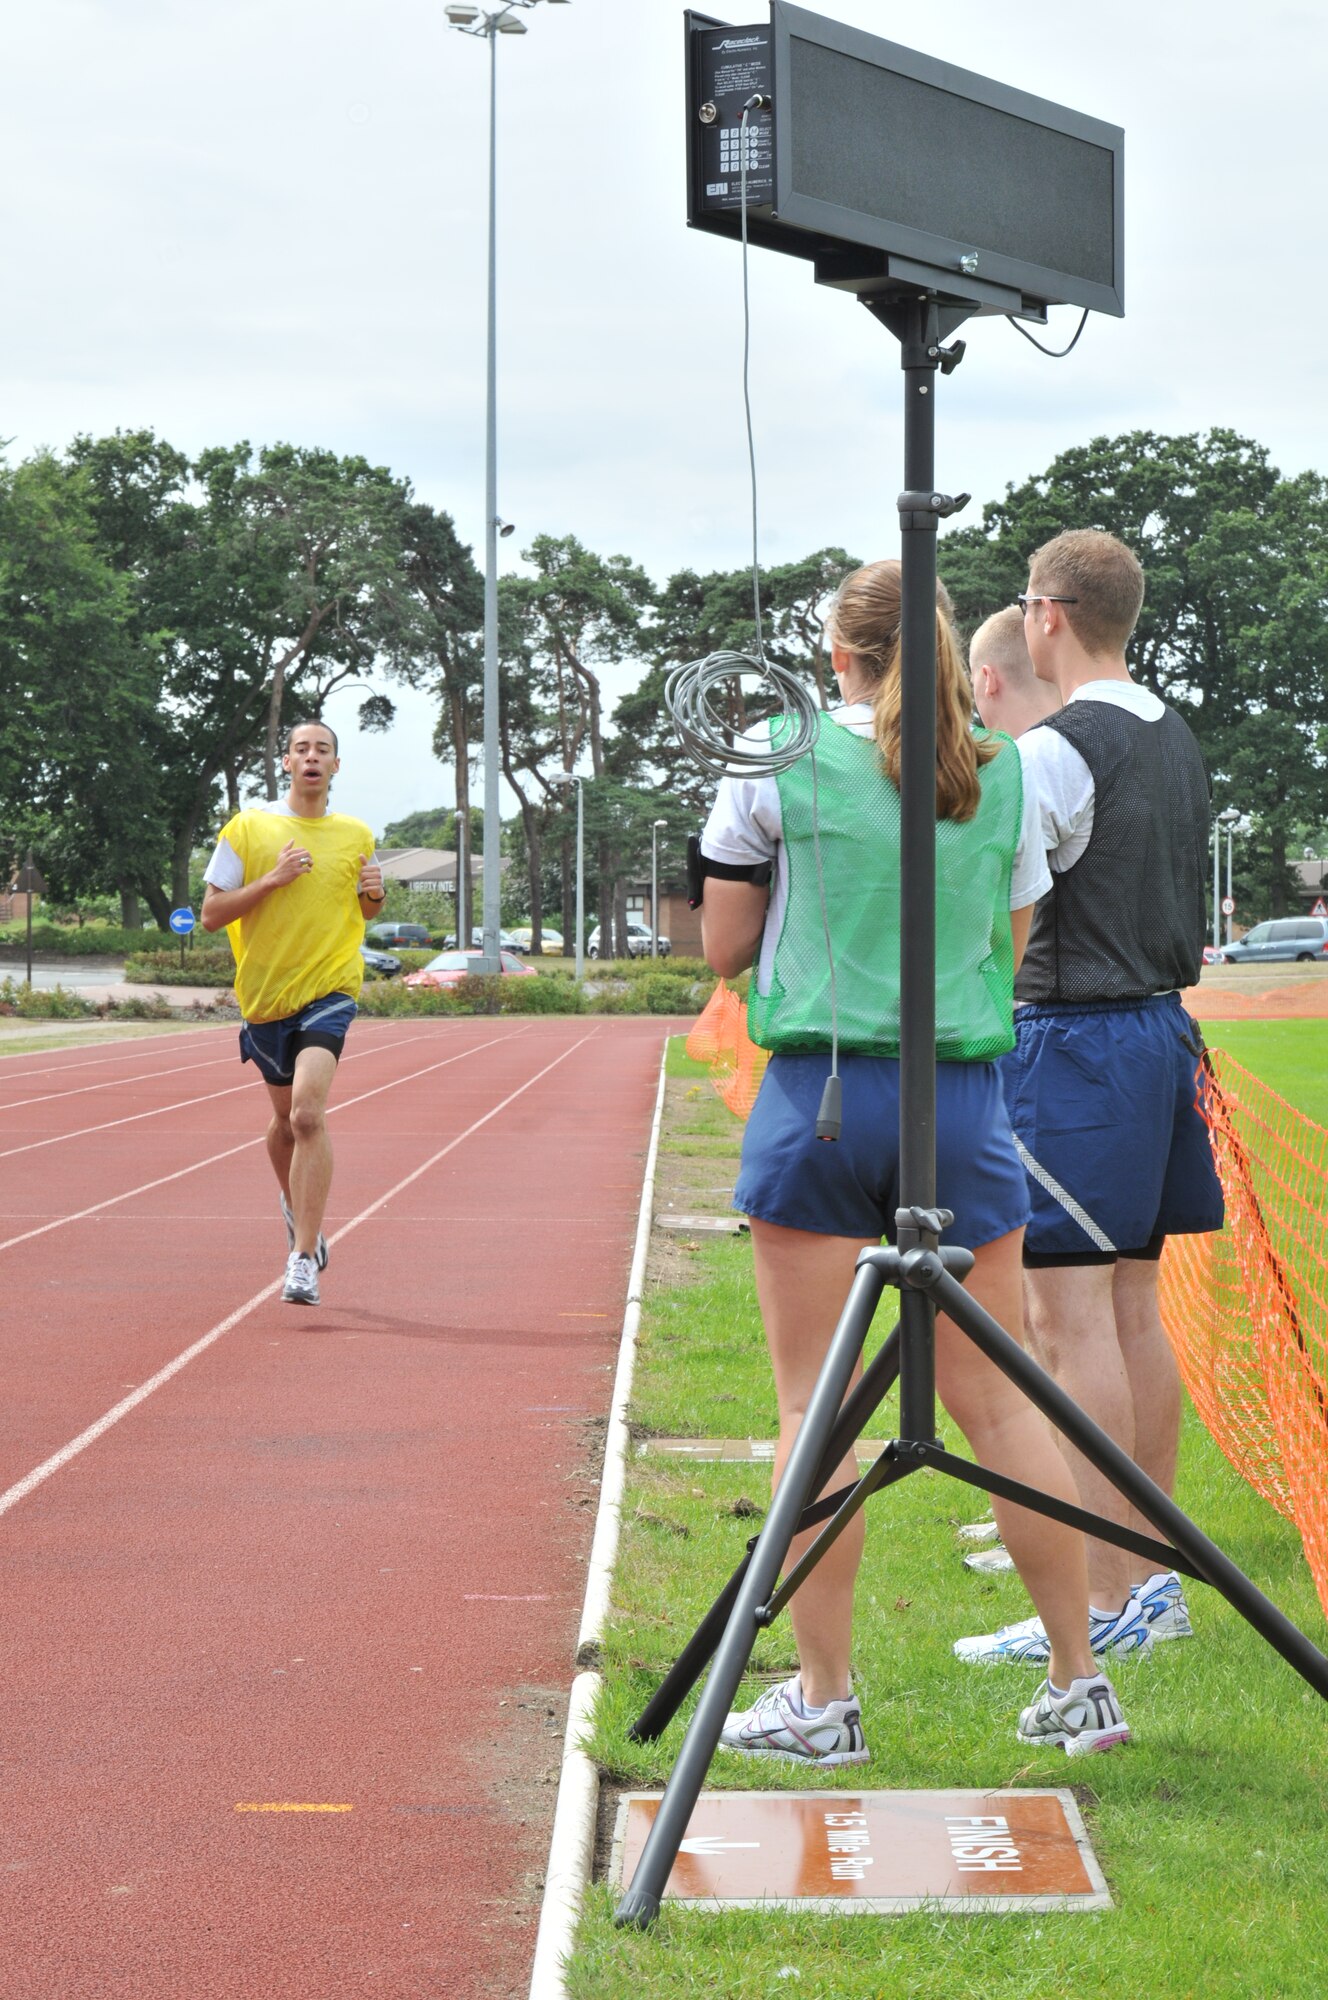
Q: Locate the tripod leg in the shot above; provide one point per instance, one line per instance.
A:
(640, 1904)
(867, 1396)
(1204, 1557)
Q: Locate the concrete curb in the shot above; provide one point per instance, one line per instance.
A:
(572, 1847)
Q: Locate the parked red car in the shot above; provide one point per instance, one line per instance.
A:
(451, 966)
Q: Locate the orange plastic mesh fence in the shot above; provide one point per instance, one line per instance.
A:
(1247, 1310)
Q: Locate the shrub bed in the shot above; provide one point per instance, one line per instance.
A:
(204, 965)
(85, 941)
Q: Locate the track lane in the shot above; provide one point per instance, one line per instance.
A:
(312, 1568)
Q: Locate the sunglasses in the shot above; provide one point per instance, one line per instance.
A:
(1023, 601)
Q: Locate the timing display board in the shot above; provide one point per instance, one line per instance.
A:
(892, 169)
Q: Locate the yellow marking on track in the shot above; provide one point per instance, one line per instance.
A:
(583, 1315)
(279, 1806)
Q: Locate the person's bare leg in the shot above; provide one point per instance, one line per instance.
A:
(1154, 1382)
(1009, 1435)
(280, 1138)
(311, 1158)
(802, 1281)
(1072, 1333)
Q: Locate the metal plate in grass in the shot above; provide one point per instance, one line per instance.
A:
(879, 1853)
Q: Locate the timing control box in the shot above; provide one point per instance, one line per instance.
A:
(732, 65)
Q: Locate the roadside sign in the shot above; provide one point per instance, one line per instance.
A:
(1228, 906)
(182, 922)
(1320, 909)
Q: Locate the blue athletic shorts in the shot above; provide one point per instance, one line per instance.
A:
(1109, 1110)
(274, 1045)
(850, 1187)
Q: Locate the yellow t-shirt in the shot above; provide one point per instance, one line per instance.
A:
(304, 939)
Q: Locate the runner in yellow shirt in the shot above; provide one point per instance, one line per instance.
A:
(293, 884)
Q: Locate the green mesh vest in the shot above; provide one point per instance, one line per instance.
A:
(858, 813)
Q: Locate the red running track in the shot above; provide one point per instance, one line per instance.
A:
(336, 1558)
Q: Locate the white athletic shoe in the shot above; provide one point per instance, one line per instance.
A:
(301, 1286)
(779, 1727)
(320, 1248)
(1086, 1717)
(1162, 1600)
(1123, 1631)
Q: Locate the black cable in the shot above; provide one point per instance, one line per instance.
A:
(705, 727)
(1056, 353)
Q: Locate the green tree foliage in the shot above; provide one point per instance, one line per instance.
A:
(257, 583)
(579, 612)
(79, 727)
(698, 615)
(1234, 629)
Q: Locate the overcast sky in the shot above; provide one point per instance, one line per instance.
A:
(267, 221)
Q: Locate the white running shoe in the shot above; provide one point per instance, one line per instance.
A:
(320, 1248)
(301, 1286)
(1161, 1598)
(1086, 1717)
(779, 1727)
(1123, 1631)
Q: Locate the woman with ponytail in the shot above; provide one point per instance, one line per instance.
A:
(825, 835)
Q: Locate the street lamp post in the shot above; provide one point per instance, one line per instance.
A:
(490, 23)
(1229, 819)
(571, 778)
(654, 886)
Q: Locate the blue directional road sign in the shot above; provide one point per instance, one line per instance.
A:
(182, 922)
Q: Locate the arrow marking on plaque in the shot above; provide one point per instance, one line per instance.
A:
(710, 1843)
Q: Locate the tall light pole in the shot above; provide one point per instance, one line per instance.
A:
(654, 886)
(571, 778)
(1229, 819)
(490, 22)
(1217, 883)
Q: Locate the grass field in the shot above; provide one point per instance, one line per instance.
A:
(1209, 1826)
(1291, 1057)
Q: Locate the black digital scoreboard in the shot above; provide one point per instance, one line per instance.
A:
(892, 171)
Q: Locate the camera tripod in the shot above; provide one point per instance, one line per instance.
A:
(926, 1274)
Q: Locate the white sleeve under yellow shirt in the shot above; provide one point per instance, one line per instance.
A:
(303, 941)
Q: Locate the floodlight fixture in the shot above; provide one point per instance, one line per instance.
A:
(461, 16)
(509, 25)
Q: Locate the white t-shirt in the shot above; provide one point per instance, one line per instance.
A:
(226, 870)
(1055, 772)
(746, 826)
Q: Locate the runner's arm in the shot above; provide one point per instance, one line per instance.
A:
(370, 890)
(1021, 922)
(226, 906)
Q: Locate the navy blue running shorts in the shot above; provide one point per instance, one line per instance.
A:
(272, 1046)
(851, 1187)
(1109, 1108)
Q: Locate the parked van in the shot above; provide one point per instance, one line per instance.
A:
(1302, 938)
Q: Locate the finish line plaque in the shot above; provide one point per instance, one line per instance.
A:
(880, 1853)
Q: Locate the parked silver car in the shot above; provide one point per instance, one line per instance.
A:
(638, 942)
(1302, 938)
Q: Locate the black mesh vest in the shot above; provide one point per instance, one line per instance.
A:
(1128, 919)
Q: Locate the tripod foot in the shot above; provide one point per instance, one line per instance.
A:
(637, 1907)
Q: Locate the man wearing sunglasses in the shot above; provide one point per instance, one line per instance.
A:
(1105, 1088)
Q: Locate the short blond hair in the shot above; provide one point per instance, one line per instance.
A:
(1105, 577)
(1001, 643)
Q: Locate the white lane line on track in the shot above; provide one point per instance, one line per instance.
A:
(133, 1051)
(146, 1187)
(21, 1489)
(161, 1110)
(150, 1076)
(367, 1028)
